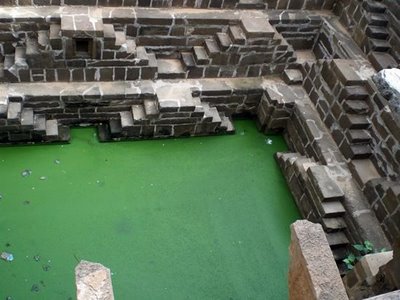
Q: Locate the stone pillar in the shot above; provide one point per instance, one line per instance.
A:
(93, 282)
(313, 273)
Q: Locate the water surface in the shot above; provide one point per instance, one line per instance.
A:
(192, 218)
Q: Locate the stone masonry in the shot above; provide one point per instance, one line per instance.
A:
(138, 69)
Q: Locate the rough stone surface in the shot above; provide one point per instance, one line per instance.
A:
(388, 83)
(93, 281)
(312, 272)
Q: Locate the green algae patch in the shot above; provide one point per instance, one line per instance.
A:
(192, 218)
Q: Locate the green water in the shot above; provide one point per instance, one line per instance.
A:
(193, 218)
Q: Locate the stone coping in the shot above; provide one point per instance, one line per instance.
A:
(125, 14)
(223, 86)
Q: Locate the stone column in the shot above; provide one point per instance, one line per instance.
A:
(93, 282)
(313, 273)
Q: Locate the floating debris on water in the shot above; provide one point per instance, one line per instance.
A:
(46, 268)
(1, 196)
(36, 258)
(26, 202)
(242, 133)
(8, 298)
(268, 141)
(35, 288)
(57, 161)
(8, 245)
(7, 256)
(42, 283)
(26, 173)
(43, 178)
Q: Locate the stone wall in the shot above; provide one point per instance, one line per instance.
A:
(133, 44)
(239, 4)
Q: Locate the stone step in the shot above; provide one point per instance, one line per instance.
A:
(379, 45)
(354, 93)
(211, 47)
(292, 76)
(237, 35)
(51, 130)
(188, 60)
(358, 136)
(224, 41)
(129, 48)
(382, 60)
(333, 224)
(115, 127)
(358, 107)
(39, 123)
(9, 61)
(340, 253)
(139, 114)
(109, 36)
(27, 119)
(142, 55)
(200, 55)
(151, 108)
(174, 98)
(210, 114)
(360, 151)
(363, 170)
(352, 121)
(250, 4)
(14, 111)
(377, 32)
(20, 57)
(32, 47)
(44, 40)
(120, 38)
(257, 27)
(373, 6)
(377, 19)
(55, 36)
(126, 119)
(325, 187)
(226, 125)
(336, 239)
(332, 209)
(170, 69)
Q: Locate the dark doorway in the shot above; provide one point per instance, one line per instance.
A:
(83, 48)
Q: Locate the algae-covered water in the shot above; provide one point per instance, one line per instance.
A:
(193, 218)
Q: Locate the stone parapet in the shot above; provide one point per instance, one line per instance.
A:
(238, 4)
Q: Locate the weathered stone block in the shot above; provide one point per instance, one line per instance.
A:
(312, 272)
(93, 281)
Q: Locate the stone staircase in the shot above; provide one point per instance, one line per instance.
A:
(377, 35)
(21, 124)
(318, 198)
(175, 112)
(348, 115)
